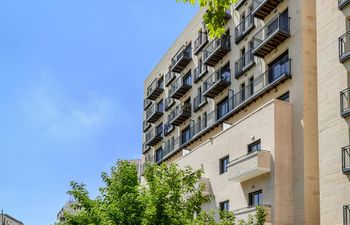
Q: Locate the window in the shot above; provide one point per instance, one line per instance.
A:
(254, 147)
(188, 78)
(225, 72)
(284, 97)
(278, 67)
(242, 92)
(160, 106)
(159, 154)
(222, 108)
(205, 119)
(223, 164)
(224, 206)
(255, 198)
(160, 130)
(186, 135)
(251, 86)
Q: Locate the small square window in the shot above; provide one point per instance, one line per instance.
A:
(255, 198)
(254, 147)
(223, 164)
(224, 206)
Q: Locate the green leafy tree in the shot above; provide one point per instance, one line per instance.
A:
(214, 17)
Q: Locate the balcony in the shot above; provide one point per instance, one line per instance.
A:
(200, 42)
(216, 50)
(199, 102)
(154, 113)
(244, 28)
(169, 77)
(200, 72)
(182, 58)
(239, 3)
(346, 159)
(250, 166)
(243, 213)
(145, 148)
(244, 63)
(346, 215)
(154, 136)
(262, 8)
(180, 87)
(146, 126)
(180, 114)
(155, 89)
(146, 103)
(271, 35)
(345, 103)
(344, 47)
(168, 128)
(342, 4)
(170, 147)
(217, 82)
(168, 103)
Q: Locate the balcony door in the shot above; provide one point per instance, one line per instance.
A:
(278, 68)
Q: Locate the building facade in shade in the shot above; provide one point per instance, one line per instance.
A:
(6, 219)
(333, 51)
(243, 107)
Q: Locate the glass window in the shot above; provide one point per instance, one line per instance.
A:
(160, 130)
(255, 198)
(222, 108)
(254, 147)
(188, 78)
(225, 205)
(223, 164)
(278, 67)
(186, 135)
(159, 154)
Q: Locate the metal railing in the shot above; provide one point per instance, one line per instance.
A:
(184, 51)
(170, 76)
(199, 101)
(280, 22)
(147, 103)
(146, 125)
(344, 46)
(345, 102)
(181, 81)
(200, 71)
(168, 102)
(243, 26)
(216, 77)
(178, 110)
(223, 42)
(157, 83)
(168, 128)
(198, 43)
(170, 146)
(342, 3)
(155, 132)
(346, 159)
(346, 214)
(154, 109)
(243, 62)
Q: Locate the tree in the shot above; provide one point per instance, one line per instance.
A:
(214, 17)
(170, 196)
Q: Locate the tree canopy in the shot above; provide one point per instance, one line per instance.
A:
(214, 17)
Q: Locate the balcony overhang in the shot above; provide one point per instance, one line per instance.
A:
(265, 8)
(250, 166)
(180, 91)
(271, 43)
(239, 3)
(199, 46)
(154, 140)
(197, 107)
(181, 117)
(342, 4)
(216, 56)
(181, 60)
(154, 116)
(154, 94)
(217, 88)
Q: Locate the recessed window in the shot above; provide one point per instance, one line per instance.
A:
(255, 198)
(224, 206)
(185, 135)
(284, 97)
(223, 164)
(254, 147)
(188, 78)
(222, 108)
(159, 154)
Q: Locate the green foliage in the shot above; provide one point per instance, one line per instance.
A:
(214, 17)
(171, 196)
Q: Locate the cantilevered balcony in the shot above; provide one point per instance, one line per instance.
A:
(343, 3)
(244, 63)
(199, 102)
(346, 215)
(180, 114)
(244, 28)
(200, 72)
(180, 87)
(155, 89)
(145, 148)
(217, 82)
(346, 159)
(239, 3)
(216, 50)
(168, 128)
(169, 77)
(344, 47)
(146, 103)
(154, 136)
(250, 166)
(345, 103)
(200, 42)
(170, 147)
(262, 8)
(269, 37)
(154, 113)
(244, 213)
(168, 103)
(182, 58)
(146, 126)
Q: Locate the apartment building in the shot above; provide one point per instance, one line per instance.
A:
(243, 107)
(333, 51)
(6, 219)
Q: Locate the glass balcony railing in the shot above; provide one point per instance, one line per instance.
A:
(168, 103)
(262, 8)
(200, 72)
(182, 58)
(180, 87)
(345, 103)
(344, 47)
(168, 128)
(154, 136)
(216, 50)
(146, 126)
(244, 63)
(154, 113)
(199, 102)
(155, 89)
(244, 27)
(147, 103)
(169, 148)
(346, 159)
(217, 82)
(169, 77)
(200, 42)
(180, 114)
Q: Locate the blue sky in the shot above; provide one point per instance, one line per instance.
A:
(71, 92)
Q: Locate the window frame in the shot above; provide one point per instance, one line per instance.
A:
(222, 168)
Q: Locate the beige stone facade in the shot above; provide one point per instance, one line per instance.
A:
(6, 219)
(243, 107)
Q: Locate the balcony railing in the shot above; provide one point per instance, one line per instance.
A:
(146, 103)
(146, 126)
(244, 27)
(180, 87)
(200, 42)
(343, 3)
(168, 103)
(154, 113)
(250, 166)
(344, 47)
(154, 136)
(269, 37)
(199, 102)
(168, 128)
(169, 148)
(345, 103)
(216, 50)
(346, 159)
(145, 148)
(182, 58)
(180, 114)
(217, 82)
(169, 77)
(200, 72)
(155, 89)
(346, 215)
(244, 213)
(262, 8)
(239, 3)
(244, 63)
